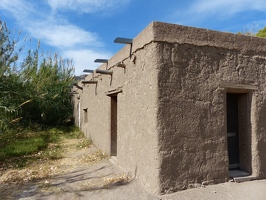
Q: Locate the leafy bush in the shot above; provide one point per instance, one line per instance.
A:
(262, 33)
(34, 91)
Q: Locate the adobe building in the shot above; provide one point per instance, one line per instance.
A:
(180, 106)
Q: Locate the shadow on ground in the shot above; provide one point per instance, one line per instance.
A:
(101, 176)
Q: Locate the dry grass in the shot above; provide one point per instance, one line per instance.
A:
(51, 162)
(121, 179)
(85, 143)
(105, 183)
(61, 157)
(40, 171)
(94, 157)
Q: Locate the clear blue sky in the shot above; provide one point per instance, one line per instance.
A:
(85, 29)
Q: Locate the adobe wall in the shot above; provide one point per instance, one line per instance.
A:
(172, 109)
(75, 106)
(137, 138)
(197, 68)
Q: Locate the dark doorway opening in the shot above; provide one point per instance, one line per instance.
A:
(113, 125)
(232, 130)
(238, 134)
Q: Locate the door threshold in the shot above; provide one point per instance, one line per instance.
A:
(240, 176)
(113, 160)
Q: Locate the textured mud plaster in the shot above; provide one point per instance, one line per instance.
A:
(76, 106)
(191, 110)
(137, 138)
(171, 108)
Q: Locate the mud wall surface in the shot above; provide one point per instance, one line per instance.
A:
(136, 89)
(197, 68)
(171, 105)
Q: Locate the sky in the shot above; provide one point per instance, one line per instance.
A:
(84, 30)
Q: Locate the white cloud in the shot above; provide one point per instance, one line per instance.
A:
(70, 41)
(63, 35)
(84, 58)
(19, 9)
(227, 6)
(50, 29)
(41, 21)
(86, 6)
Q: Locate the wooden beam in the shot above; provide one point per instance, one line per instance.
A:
(240, 87)
(79, 87)
(114, 91)
(89, 82)
(104, 71)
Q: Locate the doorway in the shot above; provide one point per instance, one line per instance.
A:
(238, 134)
(232, 131)
(113, 125)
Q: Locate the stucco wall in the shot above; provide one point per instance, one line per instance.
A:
(194, 64)
(137, 138)
(75, 106)
(171, 127)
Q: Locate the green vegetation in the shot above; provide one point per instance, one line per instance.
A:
(33, 91)
(35, 111)
(33, 98)
(262, 33)
(84, 143)
(22, 149)
(253, 31)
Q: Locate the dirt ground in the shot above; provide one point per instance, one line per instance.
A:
(86, 174)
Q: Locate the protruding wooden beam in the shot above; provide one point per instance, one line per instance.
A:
(88, 70)
(122, 65)
(89, 82)
(114, 91)
(123, 40)
(101, 60)
(104, 71)
(79, 87)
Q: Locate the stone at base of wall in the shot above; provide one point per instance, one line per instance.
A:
(113, 160)
(244, 179)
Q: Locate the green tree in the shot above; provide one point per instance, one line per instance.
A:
(262, 33)
(46, 84)
(9, 85)
(36, 91)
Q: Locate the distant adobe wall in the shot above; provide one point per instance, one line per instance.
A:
(75, 97)
(75, 106)
(137, 135)
(197, 68)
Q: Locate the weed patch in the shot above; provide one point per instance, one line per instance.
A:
(95, 157)
(84, 144)
(22, 147)
(28, 146)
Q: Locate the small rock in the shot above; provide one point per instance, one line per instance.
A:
(205, 183)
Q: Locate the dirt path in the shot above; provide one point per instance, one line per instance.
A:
(87, 174)
(84, 173)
